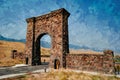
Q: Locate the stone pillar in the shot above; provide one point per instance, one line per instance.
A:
(29, 49)
(108, 62)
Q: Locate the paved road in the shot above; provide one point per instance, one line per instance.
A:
(6, 72)
(17, 70)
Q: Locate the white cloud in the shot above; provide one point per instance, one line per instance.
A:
(85, 28)
(93, 33)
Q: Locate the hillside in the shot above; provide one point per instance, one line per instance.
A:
(10, 39)
(6, 47)
(5, 52)
(84, 51)
(47, 44)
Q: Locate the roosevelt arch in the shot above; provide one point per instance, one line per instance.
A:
(55, 24)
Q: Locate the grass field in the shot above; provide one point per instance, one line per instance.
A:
(6, 48)
(5, 53)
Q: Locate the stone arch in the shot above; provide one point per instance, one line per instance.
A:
(55, 24)
(37, 48)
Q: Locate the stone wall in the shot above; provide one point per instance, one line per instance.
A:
(17, 55)
(92, 62)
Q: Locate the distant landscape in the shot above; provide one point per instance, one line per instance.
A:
(92, 28)
(7, 45)
(47, 44)
(6, 48)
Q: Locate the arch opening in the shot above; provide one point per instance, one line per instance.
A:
(56, 64)
(43, 49)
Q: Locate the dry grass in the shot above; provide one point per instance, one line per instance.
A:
(10, 62)
(63, 75)
(5, 53)
(83, 51)
(6, 48)
(45, 51)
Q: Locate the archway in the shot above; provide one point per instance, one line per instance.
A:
(39, 53)
(56, 64)
(45, 49)
(56, 25)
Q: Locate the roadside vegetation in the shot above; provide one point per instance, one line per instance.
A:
(63, 75)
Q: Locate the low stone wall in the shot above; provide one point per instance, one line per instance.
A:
(17, 55)
(103, 63)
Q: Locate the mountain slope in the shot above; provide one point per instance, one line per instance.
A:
(6, 47)
(9, 39)
(48, 44)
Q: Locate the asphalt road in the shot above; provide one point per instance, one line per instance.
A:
(22, 69)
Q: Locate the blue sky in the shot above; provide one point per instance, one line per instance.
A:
(92, 23)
